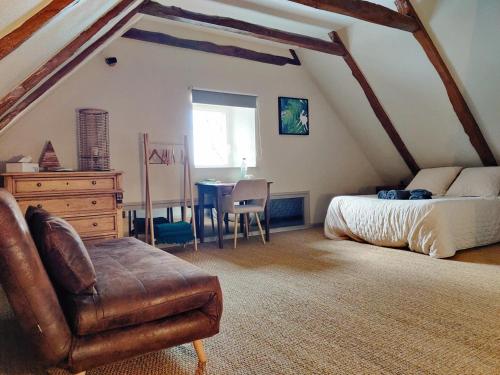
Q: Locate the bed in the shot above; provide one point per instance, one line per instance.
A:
(438, 227)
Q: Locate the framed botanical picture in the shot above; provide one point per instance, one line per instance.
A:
(293, 115)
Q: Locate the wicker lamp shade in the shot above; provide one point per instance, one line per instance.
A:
(93, 140)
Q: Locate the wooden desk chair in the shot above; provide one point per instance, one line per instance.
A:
(254, 193)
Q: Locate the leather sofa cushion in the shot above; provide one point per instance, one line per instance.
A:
(137, 283)
(62, 251)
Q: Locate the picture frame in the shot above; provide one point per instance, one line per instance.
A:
(293, 116)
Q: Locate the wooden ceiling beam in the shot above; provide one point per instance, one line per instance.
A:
(366, 11)
(153, 8)
(22, 33)
(60, 58)
(457, 100)
(204, 46)
(61, 73)
(378, 109)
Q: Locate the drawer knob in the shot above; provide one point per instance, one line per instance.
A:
(94, 202)
(94, 224)
(39, 205)
(39, 184)
(94, 182)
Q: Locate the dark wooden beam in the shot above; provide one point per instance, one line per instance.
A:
(378, 109)
(233, 25)
(60, 58)
(365, 10)
(61, 73)
(457, 100)
(22, 33)
(197, 45)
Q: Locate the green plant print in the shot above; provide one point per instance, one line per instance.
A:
(294, 116)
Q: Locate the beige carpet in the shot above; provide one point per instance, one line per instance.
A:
(306, 305)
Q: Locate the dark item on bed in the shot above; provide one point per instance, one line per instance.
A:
(420, 194)
(394, 194)
(404, 194)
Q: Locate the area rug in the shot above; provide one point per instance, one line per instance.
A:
(303, 304)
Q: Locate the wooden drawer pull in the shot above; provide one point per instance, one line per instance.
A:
(39, 205)
(95, 224)
(94, 202)
(94, 182)
(39, 184)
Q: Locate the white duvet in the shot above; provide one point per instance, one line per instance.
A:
(437, 227)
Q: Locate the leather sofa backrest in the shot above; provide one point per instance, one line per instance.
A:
(28, 287)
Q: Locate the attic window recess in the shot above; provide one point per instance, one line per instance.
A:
(224, 129)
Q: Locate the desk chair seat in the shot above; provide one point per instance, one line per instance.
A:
(247, 208)
(254, 193)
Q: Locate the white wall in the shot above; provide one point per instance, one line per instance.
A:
(410, 89)
(147, 91)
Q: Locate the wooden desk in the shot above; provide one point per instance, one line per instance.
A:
(217, 190)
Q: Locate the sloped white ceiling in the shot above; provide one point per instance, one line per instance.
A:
(14, 13)
(279, 14)
(45, 43)
(411, 91)
(68, 24)
(468, 34)
(334, 78)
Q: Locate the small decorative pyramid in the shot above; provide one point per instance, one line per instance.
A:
(48, 158)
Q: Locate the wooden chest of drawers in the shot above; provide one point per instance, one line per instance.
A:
(90, 201)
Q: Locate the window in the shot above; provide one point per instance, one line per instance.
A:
(223, 129)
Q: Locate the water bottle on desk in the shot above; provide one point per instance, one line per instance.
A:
(243, 168)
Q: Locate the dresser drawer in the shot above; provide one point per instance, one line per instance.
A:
(63, 185)
(93, 225)
(66, 205)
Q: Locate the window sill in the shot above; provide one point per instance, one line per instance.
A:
(224, 167)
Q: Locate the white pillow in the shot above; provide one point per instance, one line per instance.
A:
(436, 180)
(476, 182)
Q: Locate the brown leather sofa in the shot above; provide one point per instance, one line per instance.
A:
(144, 299)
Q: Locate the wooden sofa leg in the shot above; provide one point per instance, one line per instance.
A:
(198, 346)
